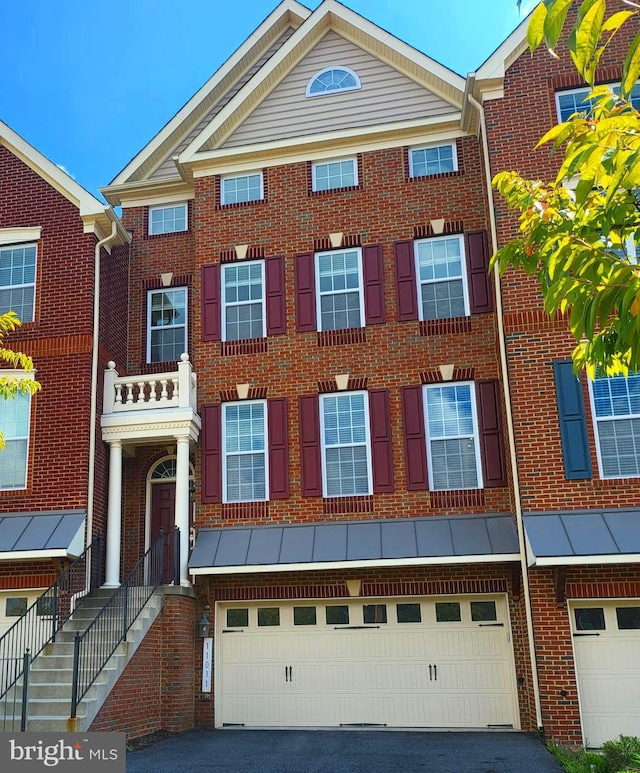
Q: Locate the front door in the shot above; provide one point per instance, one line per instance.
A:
(163, 508)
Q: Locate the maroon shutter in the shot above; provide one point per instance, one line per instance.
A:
(494, 470)
(406, 288)
(414, 438)
(310, 459)
(211, 453)
(278, 448)
(480, 293)
(305, 293)
(373, 272)
(274, 283)
(211, 321)
(381, 445)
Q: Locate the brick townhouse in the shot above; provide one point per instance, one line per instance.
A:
(52, 471)
(324, 388)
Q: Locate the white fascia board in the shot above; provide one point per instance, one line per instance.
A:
(282, 150)
(368, 564)
(284, 8)
(509, 50)
(326, 16)
(30, 555)
(621, 558)
(166, 198)
(18, 235)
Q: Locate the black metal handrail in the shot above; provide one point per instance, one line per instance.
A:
(40, 623)
(96, 644)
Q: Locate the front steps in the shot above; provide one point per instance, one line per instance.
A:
(51, 674)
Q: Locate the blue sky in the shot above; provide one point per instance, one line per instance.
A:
(89, 83)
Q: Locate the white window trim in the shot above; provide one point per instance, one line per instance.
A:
(223, 295)
(323, 447)
(476, 434)
(225, 499)
(19, 246)
(579, 90)
(313, 79)
(237, 176)
(150, 294)
(596, 432)
(30, 375)
(419, 282)
(453, 145)
(173, 205)
(315, 164)
(316, 268)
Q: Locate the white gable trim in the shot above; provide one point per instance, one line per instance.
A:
(287, 7)
(329, 15)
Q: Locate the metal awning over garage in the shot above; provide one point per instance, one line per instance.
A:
(379, 543)
(58, 534)
(583, 537)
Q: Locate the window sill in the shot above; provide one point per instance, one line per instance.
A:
(164, 236)
(352, 504)
(336, 190)
(241, 204)
(457, 498)
(235, 511)
(247, 346)
(356, 335)
(434, 327)
(437, 176)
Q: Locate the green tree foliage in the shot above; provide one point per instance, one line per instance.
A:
(578, 233)
(11, 386)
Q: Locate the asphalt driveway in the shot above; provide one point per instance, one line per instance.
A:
(346, 751)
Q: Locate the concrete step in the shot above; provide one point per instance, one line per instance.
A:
(43, 707)
(44, 690)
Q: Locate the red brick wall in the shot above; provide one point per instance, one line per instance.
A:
(155, 691)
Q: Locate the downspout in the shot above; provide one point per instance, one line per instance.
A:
(94, 377)
(510, 431)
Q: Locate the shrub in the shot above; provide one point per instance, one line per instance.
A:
(621, 754)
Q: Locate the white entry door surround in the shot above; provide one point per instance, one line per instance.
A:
(396, 662)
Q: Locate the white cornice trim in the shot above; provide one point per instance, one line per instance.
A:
(369, 564)
(620, 558)
(151, 200)
(18, 235)
(287, 8)
(328, 15)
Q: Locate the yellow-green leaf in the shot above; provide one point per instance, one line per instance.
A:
(554, 21)
(586, 39)
(616, 20)
(631, 68)
(535, 30)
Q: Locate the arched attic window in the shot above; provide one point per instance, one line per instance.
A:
(333, 79)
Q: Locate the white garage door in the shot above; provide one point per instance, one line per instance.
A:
(606, 641)
(13, 604)
(444, 662)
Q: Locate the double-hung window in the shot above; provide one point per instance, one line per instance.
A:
(244, 469)
(345, 434)
(166, 324)
(339, 283)
(453, 450)
(243, 291)
(332, 175)
(442, 278)
(241, 189)
(434, 159)
(167, 219)
(14, 422)
(577, 101)
(18, 280)
(615, 405)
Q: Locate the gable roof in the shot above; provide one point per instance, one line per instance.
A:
(97, 216)
(252, 73)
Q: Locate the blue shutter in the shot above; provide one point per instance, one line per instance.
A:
(573, 422)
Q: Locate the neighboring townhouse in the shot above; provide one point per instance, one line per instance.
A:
(52, 471)
(577, 440)
(311, 228)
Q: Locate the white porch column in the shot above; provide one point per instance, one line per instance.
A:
(114, 516)
(182, 505)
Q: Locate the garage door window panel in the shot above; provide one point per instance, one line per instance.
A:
(448, 612)
(589, 619)
(245, 457)
(628, 618)
(304, 616)
(483, 611)
(16, 606)
(337, 615)
(408, 613)
(616, 409)
(374, 613)
(237, 618)
(268, 616)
